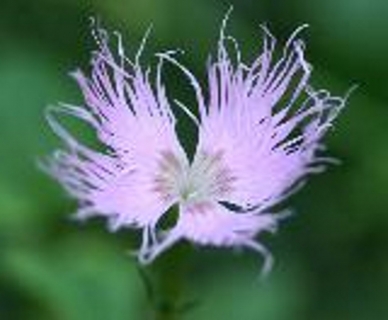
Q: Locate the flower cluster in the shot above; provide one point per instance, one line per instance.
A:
(259, 132)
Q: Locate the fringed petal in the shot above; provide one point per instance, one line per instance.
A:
(266, 120)
(134, 121)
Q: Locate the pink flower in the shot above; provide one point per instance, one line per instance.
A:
(259, 131)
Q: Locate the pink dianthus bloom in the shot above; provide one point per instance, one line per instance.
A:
(259, 131)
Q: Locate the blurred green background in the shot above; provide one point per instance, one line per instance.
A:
(331, 257)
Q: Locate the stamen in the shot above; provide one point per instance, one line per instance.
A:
(206, 179)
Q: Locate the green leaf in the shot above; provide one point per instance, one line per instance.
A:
(233, 294)
(79, 280)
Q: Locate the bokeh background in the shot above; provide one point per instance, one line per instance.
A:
(331, 257)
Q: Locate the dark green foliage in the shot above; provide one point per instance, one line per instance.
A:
(331, 256)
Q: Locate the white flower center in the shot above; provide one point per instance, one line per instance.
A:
(206, 178)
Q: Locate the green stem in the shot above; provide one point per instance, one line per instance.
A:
(165, 284)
